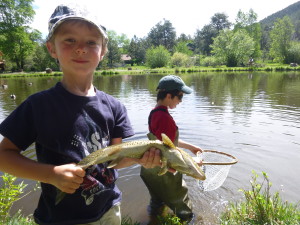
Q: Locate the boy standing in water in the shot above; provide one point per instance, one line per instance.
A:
(169, 189)
(67, 123)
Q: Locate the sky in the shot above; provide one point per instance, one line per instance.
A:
(137, 17)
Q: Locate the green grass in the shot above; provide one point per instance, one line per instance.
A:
(267, 67)
(261, 207)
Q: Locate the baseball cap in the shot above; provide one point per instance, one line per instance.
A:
(172, 82)
(67, 12)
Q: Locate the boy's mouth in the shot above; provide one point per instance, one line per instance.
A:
(80, 61)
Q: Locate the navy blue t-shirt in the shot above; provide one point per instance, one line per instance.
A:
(65, 129)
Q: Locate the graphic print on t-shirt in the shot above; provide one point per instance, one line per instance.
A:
(95, 139)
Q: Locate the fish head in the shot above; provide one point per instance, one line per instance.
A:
(185, 164)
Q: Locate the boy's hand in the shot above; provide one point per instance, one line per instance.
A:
(67, 177)
(151, 159)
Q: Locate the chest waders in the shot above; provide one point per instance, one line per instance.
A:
(168, 189)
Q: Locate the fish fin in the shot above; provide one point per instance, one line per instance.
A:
(164, 167)
(166, 140)
(163, 171)
(114, 162)
(59, 196)
(151, 136)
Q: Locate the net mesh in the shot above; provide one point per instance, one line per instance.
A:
(215, 174)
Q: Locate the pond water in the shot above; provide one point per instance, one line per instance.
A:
(253, 116)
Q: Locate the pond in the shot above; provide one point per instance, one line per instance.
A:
(253, 116)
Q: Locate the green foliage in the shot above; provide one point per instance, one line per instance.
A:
(204, 37)
(180, 59)
(157, 57)
(16, 41)
(137, 50)
(9, 193)
(169, 220)
(248, 22)
(281, 37)
(260, 207)
(182, 47)
(15, 14)
(114, 54)
(18, 219)
(163, 34)
(220, 21)
(235, 48)
(210, 61)
(121, 40)
(293, 53)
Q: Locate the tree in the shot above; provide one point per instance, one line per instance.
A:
(184, 37)
(122, 41)
(204, 37)
(137, 50)
(293, 54)
(182, 47)
(220, 21)
(41, 59)
(114, 53)
(163, 34)
(16, 39)
(281, 37)
(234, 48)
(248, 21)
(157, 57)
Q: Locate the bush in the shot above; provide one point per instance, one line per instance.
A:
(210, 61)
(9, 193)
(180, 60)
(293, 54)
(260, 207)
(157, 57)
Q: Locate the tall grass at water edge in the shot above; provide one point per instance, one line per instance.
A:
(259, 206)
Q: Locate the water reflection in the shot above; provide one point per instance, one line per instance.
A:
(255, 117)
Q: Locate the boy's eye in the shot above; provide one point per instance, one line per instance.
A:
(92, 43)
(70, 40)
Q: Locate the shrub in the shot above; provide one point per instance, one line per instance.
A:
(179, 60)
(157, 57)
(293, 53)
(9, 193)
(260, 207)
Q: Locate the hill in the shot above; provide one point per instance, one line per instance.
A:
(293, 11)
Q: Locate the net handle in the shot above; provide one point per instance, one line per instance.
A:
(234, 159)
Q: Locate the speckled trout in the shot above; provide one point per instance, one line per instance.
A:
(171, 157)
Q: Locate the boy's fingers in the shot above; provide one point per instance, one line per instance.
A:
(156, 160)
(79, 171)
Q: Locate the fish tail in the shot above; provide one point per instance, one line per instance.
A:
(59, 196)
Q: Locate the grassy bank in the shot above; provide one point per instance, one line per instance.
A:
(144, 70)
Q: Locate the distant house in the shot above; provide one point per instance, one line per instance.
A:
(126, 59)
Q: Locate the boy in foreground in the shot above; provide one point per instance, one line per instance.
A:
(168, 190)
(67, 123)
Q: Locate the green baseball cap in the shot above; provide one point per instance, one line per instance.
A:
(172, 82)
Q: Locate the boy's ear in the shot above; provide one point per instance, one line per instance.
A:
(102, 55)
(51, 49)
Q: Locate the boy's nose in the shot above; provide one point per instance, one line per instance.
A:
(81, 50)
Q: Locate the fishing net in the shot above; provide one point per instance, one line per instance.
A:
(216, 166)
